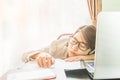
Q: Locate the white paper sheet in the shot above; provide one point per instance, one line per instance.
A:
(69, 65)
(31, 71)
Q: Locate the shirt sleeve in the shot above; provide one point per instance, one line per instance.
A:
(26, 56)
(56, 49)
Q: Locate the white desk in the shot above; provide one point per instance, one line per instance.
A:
(58, 71)
(60, 76)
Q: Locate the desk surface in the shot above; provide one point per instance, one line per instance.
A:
(61, 74)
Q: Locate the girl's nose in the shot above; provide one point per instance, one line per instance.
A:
(75, 47)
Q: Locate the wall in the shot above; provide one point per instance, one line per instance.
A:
(111, 5)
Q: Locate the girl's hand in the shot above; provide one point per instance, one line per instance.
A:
(45, 60)
(74, 58)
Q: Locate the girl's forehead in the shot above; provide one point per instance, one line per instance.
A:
(79, 36)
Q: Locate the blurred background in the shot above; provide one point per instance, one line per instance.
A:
(27, 25)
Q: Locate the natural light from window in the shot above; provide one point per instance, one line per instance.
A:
(27, 25)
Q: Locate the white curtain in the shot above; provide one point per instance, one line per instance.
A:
(27, 25)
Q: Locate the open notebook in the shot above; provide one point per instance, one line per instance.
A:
(31, 71)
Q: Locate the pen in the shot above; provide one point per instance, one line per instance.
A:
(20, 66)
(50, 79)
(82, 64)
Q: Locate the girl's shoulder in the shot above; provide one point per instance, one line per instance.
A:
(61, 41)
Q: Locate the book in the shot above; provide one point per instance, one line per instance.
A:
(81, 70)
(89, 65)
(31, 71)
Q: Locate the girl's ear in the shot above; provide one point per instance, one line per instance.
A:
(91, 52)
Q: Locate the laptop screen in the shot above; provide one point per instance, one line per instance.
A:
(107, 56)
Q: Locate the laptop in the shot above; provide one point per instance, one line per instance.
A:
(107, 50)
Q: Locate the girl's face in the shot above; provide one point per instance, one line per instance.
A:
(77, 45)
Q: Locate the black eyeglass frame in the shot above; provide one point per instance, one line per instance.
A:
(78, 43)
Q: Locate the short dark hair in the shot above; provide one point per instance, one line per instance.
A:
(89, 33)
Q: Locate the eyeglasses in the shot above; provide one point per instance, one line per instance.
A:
(81, 45)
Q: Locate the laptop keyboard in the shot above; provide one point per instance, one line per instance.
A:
(91, 75)
(90, 68)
